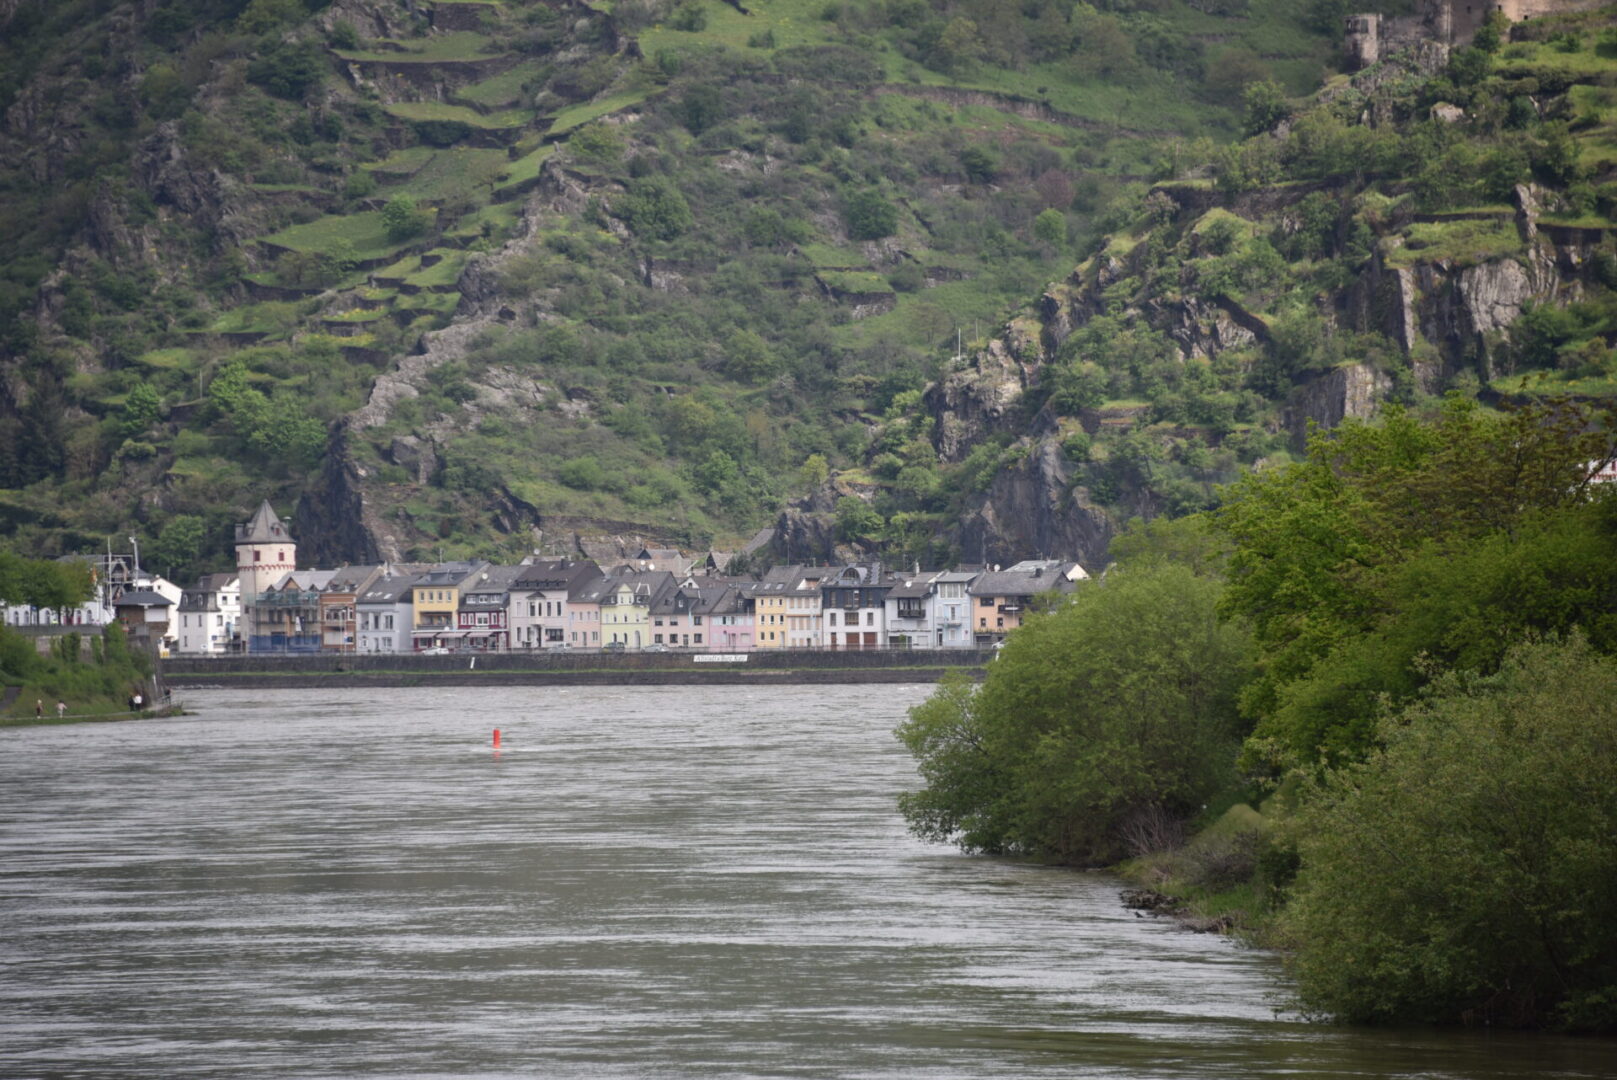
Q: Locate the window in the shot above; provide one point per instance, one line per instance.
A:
(870, 618)
(657, 639)
(699, 639)
(696, 620)
(280, 556)
(257, 557)
(833, 617)
(999, 623)
(982, 624)
(985, 601)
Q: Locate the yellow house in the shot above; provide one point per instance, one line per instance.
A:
(787, 608)
(769, 600)
(435, 599)
(626, 607)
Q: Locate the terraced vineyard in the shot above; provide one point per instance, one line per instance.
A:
(455, 272)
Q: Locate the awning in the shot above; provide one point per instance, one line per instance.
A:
(440, 633)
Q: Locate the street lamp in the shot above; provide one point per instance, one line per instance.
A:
(136, 544)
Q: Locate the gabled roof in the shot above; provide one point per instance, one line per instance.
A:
(302, 580)
(389, 590)
(347, 579)
(916, 588)
(263, 528)
(449, 575)
(557, 574)
(1017, 583)
(144, 598)
(489, 586)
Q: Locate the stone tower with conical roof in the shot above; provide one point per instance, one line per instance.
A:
(265, 551)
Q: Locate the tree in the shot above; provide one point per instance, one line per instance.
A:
(856, 518)
(402, 219)
(869, 215)
(1120, 702)
(655, 209)
(288, 69)
(1402, 539)
(1266, 106)
(1050, 227)
(748, 358)
(814, 472)
(140, 410)
(178, 548)
(1463, 873)
(262, 16)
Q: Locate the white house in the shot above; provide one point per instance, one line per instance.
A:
(951, 609)
(384, 613)
(853, 607)
(209, 616)
(538, 618)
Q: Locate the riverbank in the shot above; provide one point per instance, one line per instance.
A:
(109, 716)
(574, 669)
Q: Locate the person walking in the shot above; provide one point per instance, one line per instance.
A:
(61, 710)
(39, 708)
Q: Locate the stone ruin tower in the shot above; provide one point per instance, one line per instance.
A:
(1370, 38)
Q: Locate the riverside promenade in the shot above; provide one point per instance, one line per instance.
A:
(568, 668)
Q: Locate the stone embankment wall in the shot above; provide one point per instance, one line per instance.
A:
(573, 669)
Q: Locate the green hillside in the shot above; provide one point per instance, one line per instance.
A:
(653, 267)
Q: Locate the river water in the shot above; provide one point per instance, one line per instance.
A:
(649, 882)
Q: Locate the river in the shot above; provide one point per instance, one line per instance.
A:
(649, 882)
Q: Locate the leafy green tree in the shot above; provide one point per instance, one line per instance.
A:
(43, 583)
(869, 215)
(140, 410)
(263, 16)
(1401, 539)
(814, 472)
(1463, 874)
(748, 357)
(1266, 105)
(1120, 702)
(178, 548)
(856, 518)
(655, 209)
(1050, 227)
(701, 107)
(288, 69)
(402, 219)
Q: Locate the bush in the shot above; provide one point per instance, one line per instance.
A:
(402, 219)
(288, 69)
(1122, 699)
(870, 216)
(1463, 874)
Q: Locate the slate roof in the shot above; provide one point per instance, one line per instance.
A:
(557, 574)
(490, 587)
(390, 590)
(142, 598)
(263, 528)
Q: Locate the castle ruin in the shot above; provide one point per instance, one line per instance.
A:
(1449, 23)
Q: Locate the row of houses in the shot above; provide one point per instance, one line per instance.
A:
(554, 604)
(657, 600)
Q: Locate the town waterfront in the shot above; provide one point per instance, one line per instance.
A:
(663, 881)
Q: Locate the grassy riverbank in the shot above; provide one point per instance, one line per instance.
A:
(93, 675)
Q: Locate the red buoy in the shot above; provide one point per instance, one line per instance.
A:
(496, 738)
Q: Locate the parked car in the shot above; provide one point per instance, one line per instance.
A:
(656, 646)
(613, 646)
(436, 650)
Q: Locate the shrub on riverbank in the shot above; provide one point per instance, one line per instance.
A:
(1464, 873)
(1118, 706)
